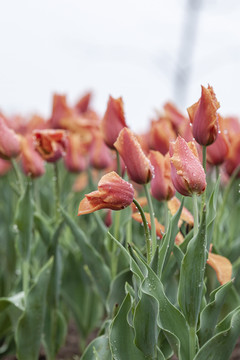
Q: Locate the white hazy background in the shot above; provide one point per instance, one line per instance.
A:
(147, 51)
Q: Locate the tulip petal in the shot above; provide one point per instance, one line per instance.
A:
(222, 267)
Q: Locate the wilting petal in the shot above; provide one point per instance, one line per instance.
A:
(32, 162)
(138, 165)
(9, 141)
(161, 185)
(222, 267)
(51, 144)
(113, 193)
(203, 115)
(187, 173)
(174, 205)
(113, 121)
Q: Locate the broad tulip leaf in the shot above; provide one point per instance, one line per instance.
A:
(221, 345)
(168, 240)
(99, 271)
(24, 222)
(30, 325)
(192, 275)
(17, 300)
(209, 315)
(98, 349)
(145, 325)
(122, 335)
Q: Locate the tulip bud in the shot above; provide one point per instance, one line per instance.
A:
(113, 193)
(204, 118)
(138, 165)
(187, 173)
(218, 151)
(161, 185)
(9, 142)
(113, 121)
(161, 133)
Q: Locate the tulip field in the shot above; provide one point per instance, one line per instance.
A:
(132, 238)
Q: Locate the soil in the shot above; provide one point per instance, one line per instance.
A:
(70, 350)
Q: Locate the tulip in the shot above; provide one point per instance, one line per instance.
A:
(32, 162)
(138, 165)
(75, 159)
(222, 267)
(174, 204)
(82, 105)
(187, 173)
(60, 110)
(161, 133)
(9, 142)
(233, 159)
(204, 118)
(161, 185)
(51, 144)
(100, 156)
(113, 121)
(113, 193)
(218, 151)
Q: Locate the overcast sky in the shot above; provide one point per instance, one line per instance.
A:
(128, 48)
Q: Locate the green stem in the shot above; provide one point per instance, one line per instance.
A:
(114, 258)
(118, 164)
(17, 174)
(217, 172)
(204, 155)
(195, 214)
(192, 342)
(57, 192)
(166, 214)
(152, 217)
(129, 232)
(146, 230)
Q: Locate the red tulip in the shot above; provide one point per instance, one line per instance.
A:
(138, 165)
(113, 193)
(161, 185)
(51, 144)
(9, 142)
(113, 121)
(187, 173)
(203, 115)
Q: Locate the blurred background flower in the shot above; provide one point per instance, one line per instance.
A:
(147, 52)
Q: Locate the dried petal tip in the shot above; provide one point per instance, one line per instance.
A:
(113, 193)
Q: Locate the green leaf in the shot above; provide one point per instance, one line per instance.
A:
(98, 349)
(117, 289)
(209, 315)
(122, 335)
(221, 345)
(145, 325)
(168, 240)
(192, 275)
(30, 325)
(99, 271)
(43, 227)
(17, 300)
(24, 222)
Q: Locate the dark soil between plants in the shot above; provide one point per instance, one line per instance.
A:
(70, 351)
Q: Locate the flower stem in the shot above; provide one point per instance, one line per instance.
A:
(204, 155)
(146, 230)
(118, 164)
(17, 174)
(152, 216)
(195, 214)
(57, 192)
(166, 214)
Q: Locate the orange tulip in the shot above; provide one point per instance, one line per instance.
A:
(187, 173)
(233, 158)
(113, 121)
(100, 156)
(60, 110)
(113, 193)
(174, 205)
(75, 159)
(138, 165)
(222, 267)
(51, 144)
(218, 151)
(32, 162)
(161, 185)
(9, 142)
(161, 133)
(204, 118)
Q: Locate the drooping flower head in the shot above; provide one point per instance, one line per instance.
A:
(204, 118)
(113, 121)
(113, 193)
(138, 165)
(187, 173)
(161, 185)
(51, 144)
